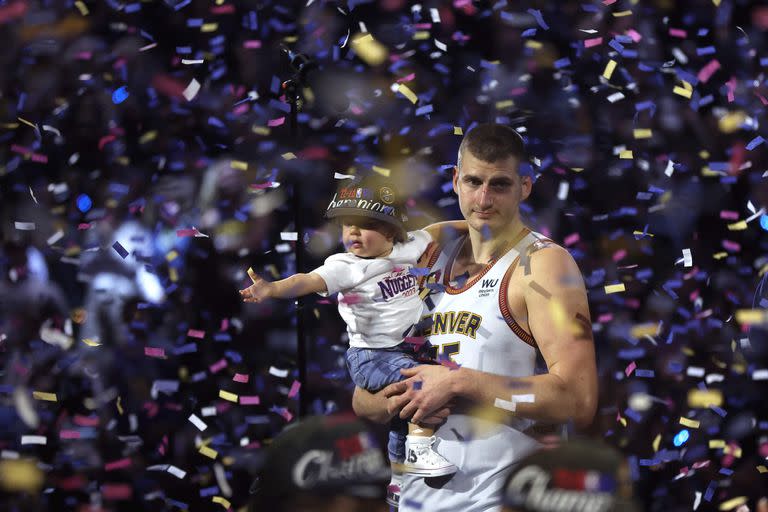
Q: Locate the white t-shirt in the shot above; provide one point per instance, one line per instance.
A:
(379, 297)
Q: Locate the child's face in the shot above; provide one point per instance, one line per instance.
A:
(365, 238)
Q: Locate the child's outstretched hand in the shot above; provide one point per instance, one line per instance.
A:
(258, 291)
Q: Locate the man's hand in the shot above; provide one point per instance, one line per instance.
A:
(429, 399)
(260, 290)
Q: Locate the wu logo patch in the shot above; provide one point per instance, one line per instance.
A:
(487, 286)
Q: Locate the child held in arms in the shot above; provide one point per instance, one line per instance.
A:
(379, 301)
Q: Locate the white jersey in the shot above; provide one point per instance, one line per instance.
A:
(473, 325)
(378, 297)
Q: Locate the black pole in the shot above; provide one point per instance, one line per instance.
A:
(292, 91)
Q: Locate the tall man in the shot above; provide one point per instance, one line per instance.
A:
(500, 293)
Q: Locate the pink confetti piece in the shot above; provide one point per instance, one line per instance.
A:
(450, 364)
(106, 140)
(406, 78)
(250, 400)
(223, 9)
(241, 377)
(218, 366)
(604, 318)
(728, 245)
(572, 239)
(83, 226)
(351, 298)
(609, 2)
(763, 100)
(186, 232)
(261, 186)
(252, 44)
(619, 254)
(194, 333)
(416, 341)
(154, 352)
(117, 464)
(241, 109)
(116, 491)
(12, 11)
(678, 32)
(731, 84)
(595, 41)
(86, 421)
(708, 70)
(294, 389)
(630, 368)
(69, 434)
(276, 122)
(635, 35)
(286, 414)
(224, 324)
(729, 215)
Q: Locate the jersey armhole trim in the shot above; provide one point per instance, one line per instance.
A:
(435, 249)
(505, 311)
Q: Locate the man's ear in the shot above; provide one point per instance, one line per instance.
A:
(526, 183)
(456, 179)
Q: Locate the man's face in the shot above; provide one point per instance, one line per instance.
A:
(490, 193)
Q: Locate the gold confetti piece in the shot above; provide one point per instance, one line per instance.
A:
(716, 2)
(173, 274)
(738, 226)
(749, 316)
(370, 50)
(20, 475)
(686, 91)
(615, 288)
(421, 35)
(500, 105)
(261, 130)
(717, 443)
(731, 122)
(224, 502)
(209, 27)
(120, 405)
(81, 7)
(239, 165)
(226, 395)
(28, 123)
(405, 91)
(643, 133)
(641, 330)
(208, 452)
(689, 423)
(720, 255)
(457, 130)
(626, 154)
(621, 14)
(698, 398)
(91, 342)
(609, 69)
(656, 443)
(733, 503)
(41, 395)
(735, 451)
(381, 170)
(534, 45)
(288, 156)
(9, 125)
(762, 469)
(172, 255)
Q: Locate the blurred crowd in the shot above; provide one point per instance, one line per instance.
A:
(149, 156)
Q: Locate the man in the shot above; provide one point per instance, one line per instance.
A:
(499, 295)
(323, 463)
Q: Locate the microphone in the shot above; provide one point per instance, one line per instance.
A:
(327, 86)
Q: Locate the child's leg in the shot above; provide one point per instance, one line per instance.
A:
(415, 430)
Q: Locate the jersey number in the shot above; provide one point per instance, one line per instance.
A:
(446, 351)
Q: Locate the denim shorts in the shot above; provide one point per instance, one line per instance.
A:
(375, 368)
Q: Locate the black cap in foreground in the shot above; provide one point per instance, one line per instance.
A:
(371, 197)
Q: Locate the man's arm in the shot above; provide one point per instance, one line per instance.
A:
(441, 231)
(558, 316)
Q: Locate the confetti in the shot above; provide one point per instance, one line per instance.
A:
(192, 89)
(615, 288)
(689, 423)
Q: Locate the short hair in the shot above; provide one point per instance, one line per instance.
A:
(491, 143)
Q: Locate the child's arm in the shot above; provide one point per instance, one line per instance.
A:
(439, 230)
(297, 285)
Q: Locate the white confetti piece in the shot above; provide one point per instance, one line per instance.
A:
(687, 258)
(503, 404)
(670, 168)
(339, 176)
(562, 190)
(695, 371)
(192, 61)
(25, 226)
(33, 195)
(289, 236)
(761, 374)
(434, 14)
(9, 455)
(55, 237)
(34, 440)
(221, 479)
(613, 98)
(524, 399)
(192, 89)
(277, 372)
(208, 411)
(200, 424)
(441, 46)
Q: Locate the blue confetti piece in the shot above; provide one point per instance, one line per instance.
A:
(529, 32)
(120, 95)
(644, 373)
(681, 437)
(84, 203)
(561, 63)
(539, 19)
(710, 491)
(755, 142)
(426, 109)
(120, 250)
(764, 221)
(418, 272)
(417, 385)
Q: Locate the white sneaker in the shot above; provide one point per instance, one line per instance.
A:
(393, 494)
(422, 460)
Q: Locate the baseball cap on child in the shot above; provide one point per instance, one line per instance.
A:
(370, 197)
